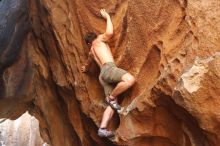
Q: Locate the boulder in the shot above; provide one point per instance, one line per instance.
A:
(171, 47)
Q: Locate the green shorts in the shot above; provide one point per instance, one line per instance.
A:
(109, 77)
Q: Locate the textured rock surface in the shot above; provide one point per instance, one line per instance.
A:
(23, 131)
(169, 46)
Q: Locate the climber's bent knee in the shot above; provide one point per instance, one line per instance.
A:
(129, 79)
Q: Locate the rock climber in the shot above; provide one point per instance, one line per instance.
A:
(113, 79)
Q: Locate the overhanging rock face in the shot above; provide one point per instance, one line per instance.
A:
(169, 46)
(15, 71)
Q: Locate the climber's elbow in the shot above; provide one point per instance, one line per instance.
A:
(109, 34)
(106, 36)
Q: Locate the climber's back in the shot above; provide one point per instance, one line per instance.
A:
(101, 51)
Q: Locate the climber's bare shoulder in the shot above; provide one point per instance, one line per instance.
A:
(100, 39)
(100, 43)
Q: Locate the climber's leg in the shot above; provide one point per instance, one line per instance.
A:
(108, 89)
(127, 80)
(110, 74)
(107, 115)
(106, 86)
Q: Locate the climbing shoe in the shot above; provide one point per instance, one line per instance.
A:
(113, 103)
(103, 132)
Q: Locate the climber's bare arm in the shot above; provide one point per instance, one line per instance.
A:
(85, 67)
(109, 27)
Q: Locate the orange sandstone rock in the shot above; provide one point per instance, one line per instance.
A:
(169, 46)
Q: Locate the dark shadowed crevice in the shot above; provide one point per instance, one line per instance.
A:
(14, 25)
(66, 117)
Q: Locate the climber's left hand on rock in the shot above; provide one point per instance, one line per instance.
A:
(84, 69)
(104, 13)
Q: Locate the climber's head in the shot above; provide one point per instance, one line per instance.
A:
(90, 37)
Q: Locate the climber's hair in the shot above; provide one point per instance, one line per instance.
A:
(90, 37)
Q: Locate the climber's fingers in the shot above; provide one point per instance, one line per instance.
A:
(83, 69)
(104, 13)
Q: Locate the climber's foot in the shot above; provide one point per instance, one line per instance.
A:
(113, 102)
(103, 132)
(121, 111)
